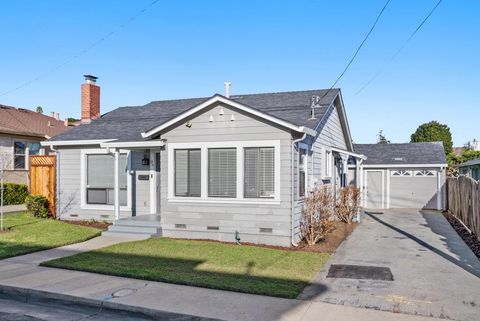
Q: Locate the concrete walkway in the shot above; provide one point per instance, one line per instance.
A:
(24, 272)
(14, 208)
(435, 273)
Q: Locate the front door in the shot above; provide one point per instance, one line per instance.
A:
(157, 180)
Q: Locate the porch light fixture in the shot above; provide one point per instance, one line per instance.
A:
(210, 119)
(188, 124)
(145, 159)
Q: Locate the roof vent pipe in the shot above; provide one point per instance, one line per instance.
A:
(227, 89)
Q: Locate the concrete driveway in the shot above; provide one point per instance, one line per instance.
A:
(434, 272)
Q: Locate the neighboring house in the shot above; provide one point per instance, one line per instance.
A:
(408, 175)
(219, 167)
(470, 168)
(21, 131)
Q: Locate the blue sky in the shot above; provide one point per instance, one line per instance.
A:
(179, 49)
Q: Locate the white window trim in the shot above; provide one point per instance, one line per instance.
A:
(27, 152)
(83, 181)
(239, 145)
(305, 147)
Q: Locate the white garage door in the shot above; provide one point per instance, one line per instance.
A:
(413, 189)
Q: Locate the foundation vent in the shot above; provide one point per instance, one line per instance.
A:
(212, 228)
(266, 230)
(182, 226)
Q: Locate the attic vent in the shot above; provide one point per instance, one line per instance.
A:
(183, 226)
(399, 159)
(266, 230)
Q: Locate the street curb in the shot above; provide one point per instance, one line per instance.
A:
(33, 296)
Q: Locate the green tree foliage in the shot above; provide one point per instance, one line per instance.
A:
(432, 132)
(466, 155)
(39, 109)
(381, 139)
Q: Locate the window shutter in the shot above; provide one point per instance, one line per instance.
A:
(222, 172)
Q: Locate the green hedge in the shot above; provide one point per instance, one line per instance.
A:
(14, 194)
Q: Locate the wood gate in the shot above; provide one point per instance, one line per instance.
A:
(42, 178)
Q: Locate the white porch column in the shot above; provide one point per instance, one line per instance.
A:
(116, 187)
(439, 190)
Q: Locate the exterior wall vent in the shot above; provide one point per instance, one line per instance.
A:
(266, 230)
(73, 215)
(104, 216)
(212, 228)
(183, 226)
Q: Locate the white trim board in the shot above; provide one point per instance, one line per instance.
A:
(239, 145)
(220, 99)
(384, 166)
(75, 142)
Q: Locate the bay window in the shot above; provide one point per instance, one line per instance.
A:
(100, 179)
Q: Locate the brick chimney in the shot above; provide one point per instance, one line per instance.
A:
(90, 99)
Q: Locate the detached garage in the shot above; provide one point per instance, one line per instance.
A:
(403, 175)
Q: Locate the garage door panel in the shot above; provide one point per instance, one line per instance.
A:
(413, 192)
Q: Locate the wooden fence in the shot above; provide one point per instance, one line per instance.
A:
(464, 201)
(42, 178)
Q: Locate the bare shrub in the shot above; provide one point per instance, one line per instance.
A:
(348, 203)
(315, 223)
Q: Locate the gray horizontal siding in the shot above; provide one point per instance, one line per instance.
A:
(247, 219)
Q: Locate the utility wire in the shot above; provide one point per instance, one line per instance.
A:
(394, 56)
(83, 52)
(358, 50)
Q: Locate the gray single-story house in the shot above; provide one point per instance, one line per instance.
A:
(470, 168)
(224, 167)
(410, 175)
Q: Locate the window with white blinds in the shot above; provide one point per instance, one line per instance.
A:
(188, 172)
(259, 172)
(101, 179)
(222, 172)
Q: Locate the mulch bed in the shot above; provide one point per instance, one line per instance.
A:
(332, 240)
(95, 224)
(470, 239)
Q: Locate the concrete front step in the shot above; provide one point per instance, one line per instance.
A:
(133, 236)
(133, 229)
(140, 223)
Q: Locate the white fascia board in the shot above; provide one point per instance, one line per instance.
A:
(75, 142)
(404, 165)
(221, 99)
(361, 156)
(150, 143)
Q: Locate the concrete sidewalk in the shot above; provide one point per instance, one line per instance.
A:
(24, 274)
(14, 208)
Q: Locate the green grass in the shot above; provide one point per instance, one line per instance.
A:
(215, 265)
(24, 233)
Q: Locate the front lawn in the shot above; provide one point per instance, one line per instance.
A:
(24, 233)
(240, 268)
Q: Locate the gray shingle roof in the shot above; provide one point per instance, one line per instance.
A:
(127, 123)
(475, 161)
(410, 153)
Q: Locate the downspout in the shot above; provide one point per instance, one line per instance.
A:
(292, 227)
(57, 181)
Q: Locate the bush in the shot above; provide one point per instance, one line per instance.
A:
(316, 220)
(348, 203)
(14, 194)
(38, 206)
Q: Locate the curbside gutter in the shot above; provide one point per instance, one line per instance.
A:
(33, 296)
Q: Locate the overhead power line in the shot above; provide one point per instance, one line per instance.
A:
(358, 49)
(394, 56)
(83, 52)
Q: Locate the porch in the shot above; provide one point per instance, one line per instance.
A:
(137, 227)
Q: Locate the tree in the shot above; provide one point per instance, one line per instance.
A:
(432, 132)
(381, 139)
(39, 109)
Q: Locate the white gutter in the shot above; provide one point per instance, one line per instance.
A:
(356, 155)
(75, 142)
(140, 144)
(292, 227)
(57, 182)
(404, 165)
